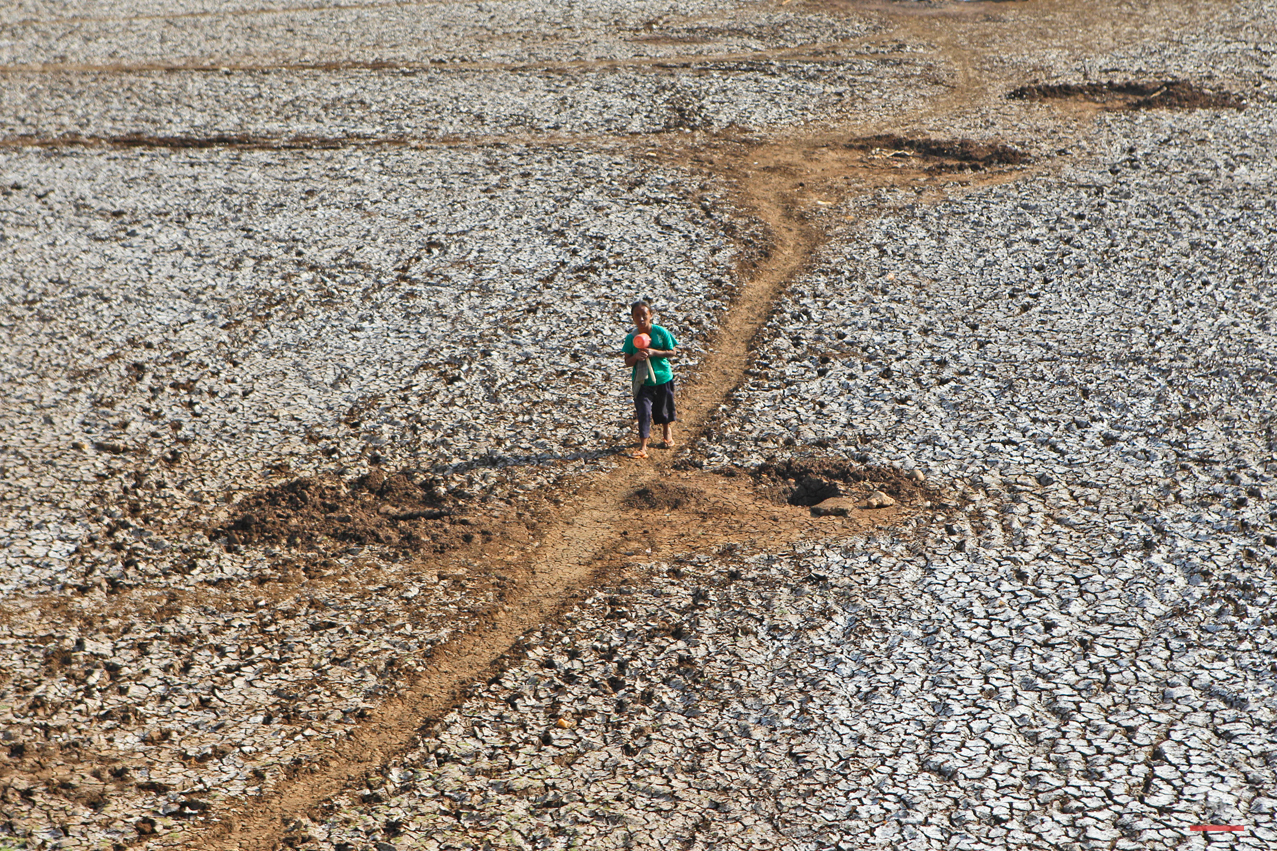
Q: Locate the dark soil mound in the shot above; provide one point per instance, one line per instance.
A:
(1134, 94)
(392, 510)
(813, 490)
(948, 153)
(808, 481)
(663, 496)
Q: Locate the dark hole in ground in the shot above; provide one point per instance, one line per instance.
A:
(395, 510)
(950, 153)
(662, 496)
(1134, 94)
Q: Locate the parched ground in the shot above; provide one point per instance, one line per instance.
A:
(317, 525)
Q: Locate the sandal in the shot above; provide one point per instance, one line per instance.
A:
(639, 454)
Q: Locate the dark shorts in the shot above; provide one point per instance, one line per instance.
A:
(654, 404)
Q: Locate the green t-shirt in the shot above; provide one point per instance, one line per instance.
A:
(661, 339)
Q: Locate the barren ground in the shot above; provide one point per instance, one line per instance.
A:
(524, 564)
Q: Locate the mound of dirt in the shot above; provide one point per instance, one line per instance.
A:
(813, 490)
(662, 496)
(809, 481)
(947, 153)
(1134, 94)
(391, 510)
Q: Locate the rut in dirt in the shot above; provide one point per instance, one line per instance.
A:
(1134, 95)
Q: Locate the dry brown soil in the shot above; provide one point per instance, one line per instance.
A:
(642, 511)
(786, 184)
(648, 510)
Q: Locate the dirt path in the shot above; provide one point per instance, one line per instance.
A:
(782, 185)
(584, 542)
(787, 184)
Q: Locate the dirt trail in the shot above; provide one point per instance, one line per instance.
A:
(569, 555)
(787, 184)
(782, 185)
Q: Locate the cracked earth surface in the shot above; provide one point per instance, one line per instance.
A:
(316, 259)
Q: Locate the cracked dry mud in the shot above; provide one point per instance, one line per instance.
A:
(317, 527)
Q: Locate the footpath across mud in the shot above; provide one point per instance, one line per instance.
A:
(407, 594)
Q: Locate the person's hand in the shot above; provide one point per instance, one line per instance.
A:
(642, 354)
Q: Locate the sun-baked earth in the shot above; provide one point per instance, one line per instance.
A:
(318, 525)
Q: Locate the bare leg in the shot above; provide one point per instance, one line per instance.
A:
(667, 432)
(643, 413)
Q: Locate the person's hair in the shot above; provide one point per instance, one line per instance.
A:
(640, 303)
